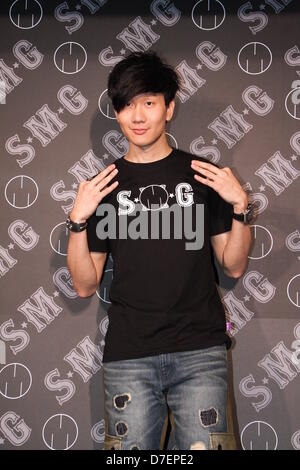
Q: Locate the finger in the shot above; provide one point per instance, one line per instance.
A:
(108, 189)
(102, 174)
(207, 173)
(106, 180)
(205, 165)
(204, 180)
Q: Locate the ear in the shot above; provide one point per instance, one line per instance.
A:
(170, 110)
(116, 114)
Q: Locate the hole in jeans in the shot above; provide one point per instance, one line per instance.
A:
(208, 417)
(121, 428)
(120, 401)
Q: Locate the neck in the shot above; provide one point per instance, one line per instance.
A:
(148, 153)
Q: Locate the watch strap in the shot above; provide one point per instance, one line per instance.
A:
(243, 216)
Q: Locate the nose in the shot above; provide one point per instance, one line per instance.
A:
(137, 114)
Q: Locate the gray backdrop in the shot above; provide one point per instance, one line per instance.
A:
(239, 107)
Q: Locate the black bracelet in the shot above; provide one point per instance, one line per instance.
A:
(75, 226)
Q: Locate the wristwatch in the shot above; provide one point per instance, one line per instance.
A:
(75, 226)
(246, 216)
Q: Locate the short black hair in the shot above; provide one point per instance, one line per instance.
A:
(141, 72)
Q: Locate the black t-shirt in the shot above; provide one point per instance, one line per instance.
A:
(163, 295)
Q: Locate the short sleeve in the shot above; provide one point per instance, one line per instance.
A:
(94, 242)
(220, 213)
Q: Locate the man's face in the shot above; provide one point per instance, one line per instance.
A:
(143, 118)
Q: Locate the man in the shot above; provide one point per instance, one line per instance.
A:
(166, 344)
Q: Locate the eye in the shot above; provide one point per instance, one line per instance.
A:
(149, 102)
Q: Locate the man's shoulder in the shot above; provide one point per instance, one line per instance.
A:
(191, 156)
(116, 161)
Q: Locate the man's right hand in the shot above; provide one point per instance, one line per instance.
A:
(91, 193)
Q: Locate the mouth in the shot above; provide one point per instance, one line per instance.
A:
(139, 131)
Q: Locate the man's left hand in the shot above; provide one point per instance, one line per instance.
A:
(223, 181)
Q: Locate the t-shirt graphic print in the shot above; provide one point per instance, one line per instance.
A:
(157, 225)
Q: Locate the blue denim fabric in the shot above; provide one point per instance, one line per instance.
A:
(192, 383)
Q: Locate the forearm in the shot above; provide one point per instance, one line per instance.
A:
(235, 254)
(80, 264)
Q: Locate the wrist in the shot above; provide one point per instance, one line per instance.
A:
(240, 206)
(76, 218)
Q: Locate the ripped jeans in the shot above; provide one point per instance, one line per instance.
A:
(193, 384)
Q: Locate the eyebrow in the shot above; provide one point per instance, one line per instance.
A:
(149, 93)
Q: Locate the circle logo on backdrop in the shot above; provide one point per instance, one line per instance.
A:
(21, 192)
(26, 14)
(70, 57)
(103, 291)
(15, 381)
(208, 14)
(58, 239)
(292, 100)
(263, 242)
(60, 432)
(259, 435)
(171, 140)
(293, 290)
(255, 58)
(105, 106)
